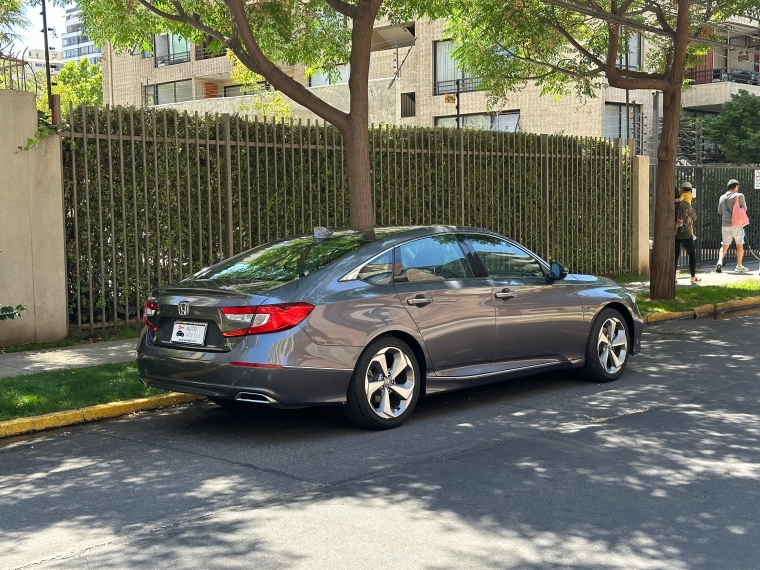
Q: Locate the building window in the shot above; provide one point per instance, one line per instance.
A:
(505, 121)
(164, 93)
(615, 123)
(79, 52)
(446, 73)
(239, 90)
(408, 105)
(170, 49)
(73, 40)
(633, 62)
(321, 78)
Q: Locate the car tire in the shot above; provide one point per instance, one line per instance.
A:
(385, 386)
(607, 348)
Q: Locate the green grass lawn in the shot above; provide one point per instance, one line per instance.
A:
(85, 336)
(689, 298)
(59, 390)
(629, 277)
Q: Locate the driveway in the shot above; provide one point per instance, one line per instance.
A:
(657, 470)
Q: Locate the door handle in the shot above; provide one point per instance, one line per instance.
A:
(419, 300)
(505, 294)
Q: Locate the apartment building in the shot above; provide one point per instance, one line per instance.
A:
(412, 78)
(74, 40)
(35, 60)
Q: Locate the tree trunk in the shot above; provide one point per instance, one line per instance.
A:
(663, 270)
(356, 132)
(356, 140)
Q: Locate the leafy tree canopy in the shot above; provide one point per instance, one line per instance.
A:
(265, 100)
(78, 82)
(574, 45)
(308, 32)
(737, 128)
(12, 19)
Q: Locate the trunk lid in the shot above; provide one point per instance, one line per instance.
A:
(198, 303)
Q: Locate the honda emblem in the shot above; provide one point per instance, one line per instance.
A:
(184, 308)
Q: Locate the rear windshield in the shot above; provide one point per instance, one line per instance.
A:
(285, 260)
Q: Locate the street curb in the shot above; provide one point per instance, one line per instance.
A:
(703, 311)
(22, 426)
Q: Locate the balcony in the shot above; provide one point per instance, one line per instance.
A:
(711, 88)
(466, 85)
(703, 76)
(171, 59)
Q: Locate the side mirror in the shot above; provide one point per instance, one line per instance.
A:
(558, 271)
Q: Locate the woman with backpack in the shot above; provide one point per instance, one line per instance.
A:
(685, 218)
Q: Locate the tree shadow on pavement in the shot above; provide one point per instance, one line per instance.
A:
(657, 470)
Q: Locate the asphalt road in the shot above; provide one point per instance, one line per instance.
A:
(657, 470)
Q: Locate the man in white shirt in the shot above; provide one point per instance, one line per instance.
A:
(731, 233)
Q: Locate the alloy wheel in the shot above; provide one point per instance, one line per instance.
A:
(612, 345)
(389, 382)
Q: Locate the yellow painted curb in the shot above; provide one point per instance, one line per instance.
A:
(704, 310)
(737, 304)
(659, 317)
(21, 426)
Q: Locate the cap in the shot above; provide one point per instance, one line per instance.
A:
(732, 182)
(686, 187)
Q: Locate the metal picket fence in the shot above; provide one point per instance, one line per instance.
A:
(151, 196)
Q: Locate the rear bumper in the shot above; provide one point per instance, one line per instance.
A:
(287, 386)
(286, 367)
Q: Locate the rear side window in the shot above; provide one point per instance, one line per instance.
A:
(285, 260)
(379, 271)
(431, 259)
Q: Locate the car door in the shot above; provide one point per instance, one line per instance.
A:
(452, 309)
(538, 320)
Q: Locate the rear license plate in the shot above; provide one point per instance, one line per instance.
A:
(187, 333)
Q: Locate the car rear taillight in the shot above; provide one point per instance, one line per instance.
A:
(149, 309)
(265, 318)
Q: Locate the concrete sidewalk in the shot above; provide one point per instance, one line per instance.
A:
(706, 272)
(17, 363)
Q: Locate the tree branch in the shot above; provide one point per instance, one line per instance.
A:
(185, 19)
(583, 51)
(247, 50)
(342, 7)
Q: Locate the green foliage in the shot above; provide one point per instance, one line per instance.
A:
(12, 19)
(77, 83)
(266, 101)
(11, 312)
(563, 49)
(60, 390)
(737, 128)
(44, 129)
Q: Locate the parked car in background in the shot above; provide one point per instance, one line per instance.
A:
(374, 322)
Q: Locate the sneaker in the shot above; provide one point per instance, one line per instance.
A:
(741, 269)
(719, 267)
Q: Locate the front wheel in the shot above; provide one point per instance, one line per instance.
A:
(385, 385)
(607, 348)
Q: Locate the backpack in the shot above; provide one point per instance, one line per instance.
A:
(739, 217)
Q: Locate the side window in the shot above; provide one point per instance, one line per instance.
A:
(378, 271)
(501, 259)
(430, 259)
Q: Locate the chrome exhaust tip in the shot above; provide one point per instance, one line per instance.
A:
(254, 398)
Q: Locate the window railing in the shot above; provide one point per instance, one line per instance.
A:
(466, 85)
(204, 53)
(703, 76)
(171, 59)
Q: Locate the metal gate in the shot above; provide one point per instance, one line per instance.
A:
(709, 182)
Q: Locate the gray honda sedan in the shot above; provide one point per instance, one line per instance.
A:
(372, 321)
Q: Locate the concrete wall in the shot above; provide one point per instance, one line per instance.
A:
(32, 251)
